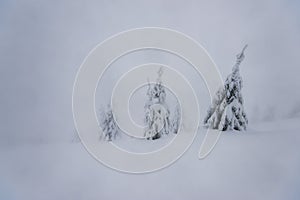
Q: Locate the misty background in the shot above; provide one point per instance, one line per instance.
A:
(43, 43)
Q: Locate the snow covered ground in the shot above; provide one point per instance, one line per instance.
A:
(262, 163)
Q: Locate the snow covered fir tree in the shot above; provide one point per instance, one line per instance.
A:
(156, 110)
(227, 110)
(108, 124)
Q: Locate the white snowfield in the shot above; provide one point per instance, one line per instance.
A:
(261, 163)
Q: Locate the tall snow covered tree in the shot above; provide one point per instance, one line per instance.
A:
(156, 110)
(108, 124)
(227, 110)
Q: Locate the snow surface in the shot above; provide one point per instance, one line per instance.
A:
(262, 163)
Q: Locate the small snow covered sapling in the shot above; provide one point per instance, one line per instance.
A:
(227, 110)
(108, 124)
(75, 137)
(176, 119)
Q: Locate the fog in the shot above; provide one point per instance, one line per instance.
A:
(43, 43)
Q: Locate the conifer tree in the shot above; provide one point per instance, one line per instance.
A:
(176, 119)
(227, 110)
(108, 124)
(156, 110)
